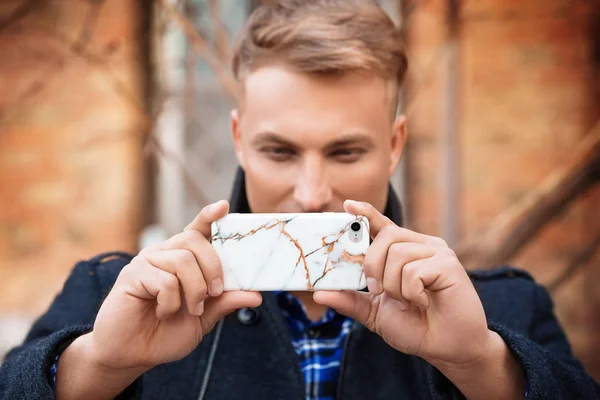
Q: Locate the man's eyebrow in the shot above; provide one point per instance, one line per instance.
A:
(350, 139)
(265, 137)
(344, 140)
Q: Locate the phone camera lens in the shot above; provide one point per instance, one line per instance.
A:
(355, 226)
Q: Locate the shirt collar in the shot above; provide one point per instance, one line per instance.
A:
(293, 308)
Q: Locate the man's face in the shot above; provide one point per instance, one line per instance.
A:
(308, 143)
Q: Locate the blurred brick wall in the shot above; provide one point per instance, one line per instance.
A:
(526, 97)
(70, 153)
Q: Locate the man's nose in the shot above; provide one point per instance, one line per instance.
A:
(312, 191)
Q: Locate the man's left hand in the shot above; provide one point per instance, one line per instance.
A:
(421, 300)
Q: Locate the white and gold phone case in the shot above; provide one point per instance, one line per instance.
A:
(292, 251)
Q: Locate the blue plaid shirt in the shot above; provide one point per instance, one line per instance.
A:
(319, 346)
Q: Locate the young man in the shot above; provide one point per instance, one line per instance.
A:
(315, 131)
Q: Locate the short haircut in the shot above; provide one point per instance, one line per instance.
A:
(322, 37)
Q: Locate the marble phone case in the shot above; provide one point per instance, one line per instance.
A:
(291, 251)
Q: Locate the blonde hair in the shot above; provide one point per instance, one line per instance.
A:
(324, 37)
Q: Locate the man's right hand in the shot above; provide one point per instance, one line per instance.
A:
(161, 305)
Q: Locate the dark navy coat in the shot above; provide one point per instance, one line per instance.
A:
(249, 353)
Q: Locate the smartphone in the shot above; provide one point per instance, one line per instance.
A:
(312, 251)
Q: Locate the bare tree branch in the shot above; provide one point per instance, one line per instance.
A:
(189, 90)
(201, 46)
(41, 82)
(22, 11)
(147, 122)
(515, 227)
(188, 179)
(90, 22)
(154, 142)
(579, 261)
(38, 84)
(221, 36)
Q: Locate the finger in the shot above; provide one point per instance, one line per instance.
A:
(400, 255)
(218, 307)
(354, 304)
(376, 220)
(423, 277)
(182, 264)
(152, 248)
(382, 225)
(156, 284)
(378, 252)
(415, 277)
(206, 257)
(207, 216)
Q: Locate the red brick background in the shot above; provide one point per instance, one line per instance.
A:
(525, 98)
(70, 154)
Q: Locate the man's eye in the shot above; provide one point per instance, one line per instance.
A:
(347, 155)
(279, 153)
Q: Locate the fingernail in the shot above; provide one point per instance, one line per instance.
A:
(199, 308)
(216, 287)
(373, 285)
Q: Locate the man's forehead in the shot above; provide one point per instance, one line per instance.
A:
(278, 87)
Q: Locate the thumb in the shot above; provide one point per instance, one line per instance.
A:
(377, 221)
(354, 304)
(207, 216)
(218, 307)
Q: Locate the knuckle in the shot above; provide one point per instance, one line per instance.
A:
(452, 254)
(388, 231)
(410, 271)
(448, 254)
(437, 241)
(151, 248)
(185, 257)
(397, 250)
(170, 282)
(452, 263)
(397, 253)
(128, 271)
(447, 262)
(139, 260)
(136, 261)
(191, 237)
(137, 265)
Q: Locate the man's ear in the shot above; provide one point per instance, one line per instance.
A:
(237, 136)
(398, 141)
